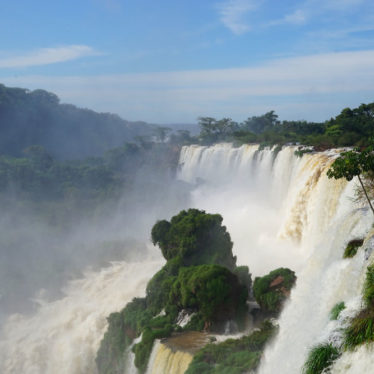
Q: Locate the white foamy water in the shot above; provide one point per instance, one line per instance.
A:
(280, 210)
(63, 336)
(283, 211)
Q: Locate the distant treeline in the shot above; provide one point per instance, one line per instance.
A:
(71, 188)
(37, 117)
(352, 127)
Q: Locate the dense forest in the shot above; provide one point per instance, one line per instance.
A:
(352, 127)
(38, 117)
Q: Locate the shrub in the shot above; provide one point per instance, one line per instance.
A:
(159, 286)
(369, 286)
(196, 237)
(352, 248)
(244, 276)
(143, 349)
(123, 327)
(361, 329)
(335, 311)
(320, 358)
(210, 289)
(271, 290)
(233, 355)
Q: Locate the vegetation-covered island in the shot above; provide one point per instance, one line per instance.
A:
(200, 278)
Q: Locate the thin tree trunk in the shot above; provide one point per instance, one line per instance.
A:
(367, 197)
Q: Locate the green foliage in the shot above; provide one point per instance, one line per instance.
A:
(335, 311)
(109, 358)
(244, 276)
(197, 323)
(301, 151)
(159, 287)
(37, 117)
(361, 329)
(352, 247)
(196, 237)
(352, 163)
(215, 131)
(271, 290)
(352, 127)
(211, 290)
(261, 124)
(143, 349)
(233, 355)
(320, 358)
(80, 188)
(369, 286)
(276, 150)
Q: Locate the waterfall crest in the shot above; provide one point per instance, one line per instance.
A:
(167, 361)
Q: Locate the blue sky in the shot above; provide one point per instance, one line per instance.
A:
(172, 61)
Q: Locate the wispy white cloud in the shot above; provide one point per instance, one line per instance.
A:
(298, 17)
(309, 82)
(233, 12)
(336, 5)
(46, 56)
(309, 9)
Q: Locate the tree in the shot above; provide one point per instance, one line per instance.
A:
(196, 238)
(262, 123)
(212, 130)
(39, 156)
(161, 133)
(353, 163)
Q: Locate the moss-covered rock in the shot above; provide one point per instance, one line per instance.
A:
(233, 356)
(271, 290)
(211, 290)
(200, 275)
(352, 247)
(196, 237)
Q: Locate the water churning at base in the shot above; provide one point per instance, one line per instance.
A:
(280, 210)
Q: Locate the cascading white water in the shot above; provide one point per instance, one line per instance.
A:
(283, 211)
(63, 336)
(280, 211)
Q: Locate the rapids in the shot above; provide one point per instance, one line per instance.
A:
(280, 210)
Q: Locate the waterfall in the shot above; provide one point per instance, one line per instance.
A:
(166, 361)
(174, 354)
(283, 211)
(280, 210)
(64, 335)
